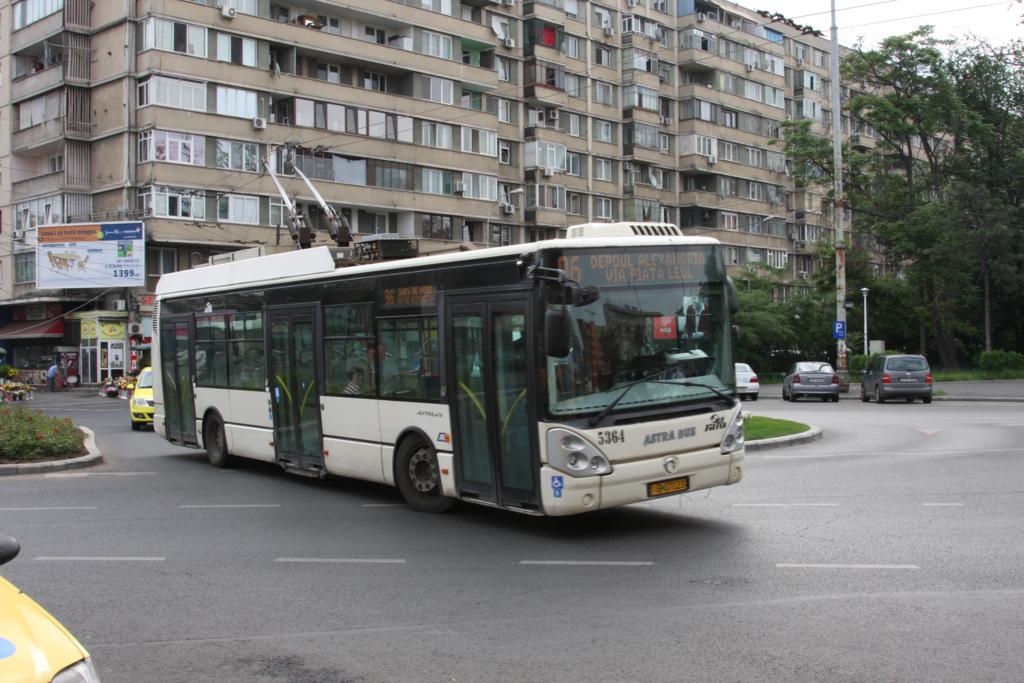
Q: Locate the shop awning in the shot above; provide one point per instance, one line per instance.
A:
(32, 329)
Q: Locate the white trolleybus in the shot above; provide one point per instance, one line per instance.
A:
(554, 378)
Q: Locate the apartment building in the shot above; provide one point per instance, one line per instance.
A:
(458, 122)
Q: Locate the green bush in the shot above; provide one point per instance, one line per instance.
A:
(27, 435)
(997, 361)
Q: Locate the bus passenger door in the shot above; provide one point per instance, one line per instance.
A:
(176, 377)
(489, 360)
(294, 387)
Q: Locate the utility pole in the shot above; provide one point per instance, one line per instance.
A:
(837, 200)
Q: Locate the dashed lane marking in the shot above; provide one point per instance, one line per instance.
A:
(45, 509)
(340, 560)
(89, 558)
(588, 563)
(943, 505)
(230, 506)
(845, 566)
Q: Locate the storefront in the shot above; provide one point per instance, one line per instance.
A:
(104, 345)
(31, 338)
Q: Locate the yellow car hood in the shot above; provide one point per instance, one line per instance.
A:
(145, 392)
(34, 646)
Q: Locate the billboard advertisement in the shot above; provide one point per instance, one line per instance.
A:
(88, 255)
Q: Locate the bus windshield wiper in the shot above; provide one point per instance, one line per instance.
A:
(625, 390)
(656, 379)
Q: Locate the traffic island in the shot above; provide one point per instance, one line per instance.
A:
(31, 442)
(766, 432)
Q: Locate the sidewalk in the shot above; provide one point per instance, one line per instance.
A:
(996, 390)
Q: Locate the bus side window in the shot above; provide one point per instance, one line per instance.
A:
(349, 367)
(409, 358)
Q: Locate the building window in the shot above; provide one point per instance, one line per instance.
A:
(174, 148)
(603, 207)
(505, 111)
(172, 202)
(573, 163)
(602, 169)
(25, 268)
(240, 156)
(604, 93)
(436, 135)
(479, 141)
(504, 69)
(174, 92)
(437, 45)
(174, 36)
(730, 221)
(237, 208)
(602, 56)
(574, 203)
(236, 50)
(573, 125)
(440, 90)
(375, 80)
(504, 152)
(30, 11)
(603, 131)
(236, 102)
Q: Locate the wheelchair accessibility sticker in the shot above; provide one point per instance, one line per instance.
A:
(557, 483)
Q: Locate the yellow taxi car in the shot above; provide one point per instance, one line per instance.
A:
(141, 404)
(35, 647)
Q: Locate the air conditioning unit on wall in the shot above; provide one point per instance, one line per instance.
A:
(228, 12)
(135, 329)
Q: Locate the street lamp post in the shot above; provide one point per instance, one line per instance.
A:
(864, 291)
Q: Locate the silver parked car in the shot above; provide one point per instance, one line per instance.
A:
(811, 379)
(906, 377)
(747, 384)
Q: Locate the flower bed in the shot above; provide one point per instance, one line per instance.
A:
(27, 435)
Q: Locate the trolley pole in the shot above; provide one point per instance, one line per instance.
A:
(837, 203)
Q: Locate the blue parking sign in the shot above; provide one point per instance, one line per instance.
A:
(839, 329)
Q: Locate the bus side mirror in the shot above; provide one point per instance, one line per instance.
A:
(583, 296)
(557, 333)
(731, 295)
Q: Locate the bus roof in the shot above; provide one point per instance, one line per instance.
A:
(318, 262)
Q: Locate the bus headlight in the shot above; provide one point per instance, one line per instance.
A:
(733, 440)
(570, 453)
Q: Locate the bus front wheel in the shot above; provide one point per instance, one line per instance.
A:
(216, 443)
(419, 477)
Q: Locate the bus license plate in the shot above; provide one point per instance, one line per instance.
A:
(668, 487)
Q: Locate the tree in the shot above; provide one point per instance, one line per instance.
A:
(941, 191)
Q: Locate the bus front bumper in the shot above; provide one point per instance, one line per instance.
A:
(563, 494)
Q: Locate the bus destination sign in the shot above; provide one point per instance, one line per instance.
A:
(423, 295)
(610, 269)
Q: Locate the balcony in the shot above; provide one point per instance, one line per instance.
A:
(50, 183)
(49, 132)
(37, 32)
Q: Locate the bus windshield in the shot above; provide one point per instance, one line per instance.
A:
(658, 334)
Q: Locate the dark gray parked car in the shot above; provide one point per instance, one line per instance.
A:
(895, 377)
(811, 379)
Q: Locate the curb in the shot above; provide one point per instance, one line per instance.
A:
(813, 434)
(93, 458)
(975, 399)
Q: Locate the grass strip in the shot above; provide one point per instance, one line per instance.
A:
(757, 427)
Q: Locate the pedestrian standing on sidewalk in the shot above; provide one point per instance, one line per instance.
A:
(51, 378)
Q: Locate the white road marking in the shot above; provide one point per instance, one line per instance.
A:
(340, 560)
(846, 566)
(589, 563)
(973, 451)
(74, 475)
(82, 558)
(943, 505)
(385, 505)
(235, 505)
(930, 432)
(41, 509)
(785, 505)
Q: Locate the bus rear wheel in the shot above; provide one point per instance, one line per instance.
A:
(216, 443)
(419, 477)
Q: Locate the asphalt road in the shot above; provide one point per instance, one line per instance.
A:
(891, 549)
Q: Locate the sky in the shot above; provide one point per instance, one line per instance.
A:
(873, 20)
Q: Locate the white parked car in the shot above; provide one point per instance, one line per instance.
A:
(747, 384)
